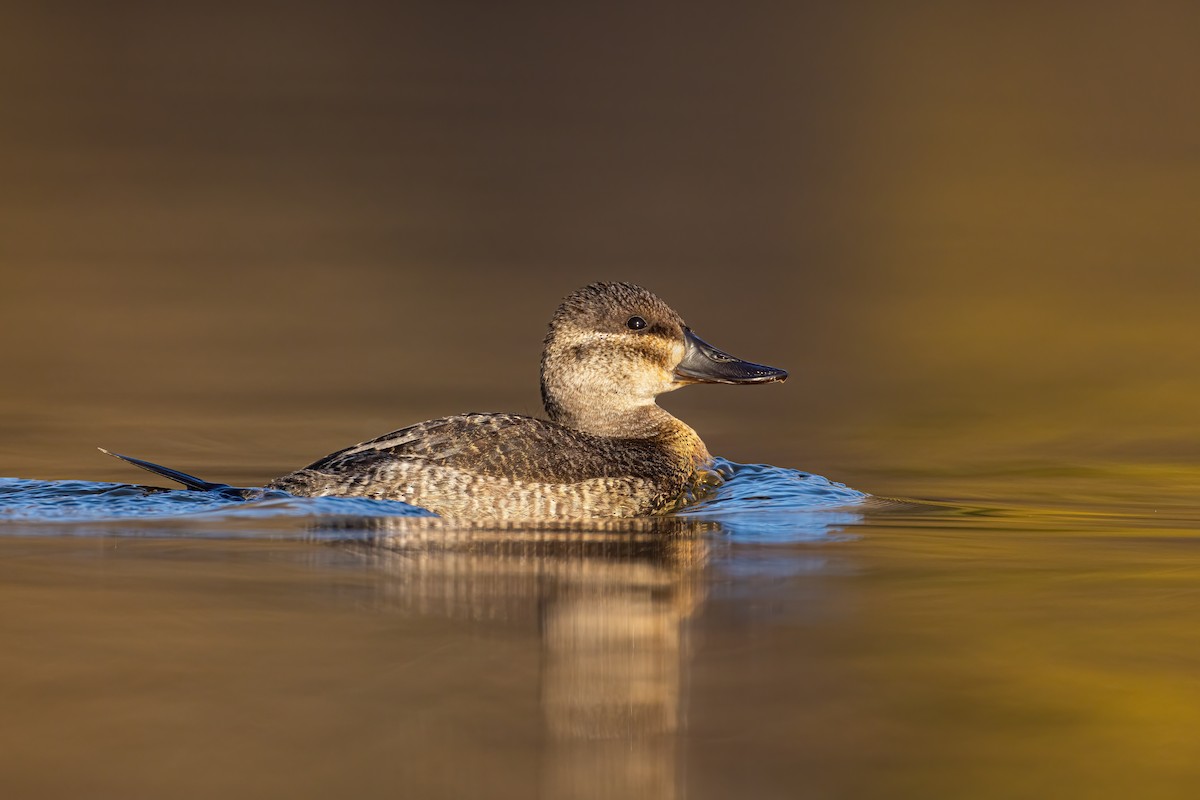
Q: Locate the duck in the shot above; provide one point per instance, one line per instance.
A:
(605, 448)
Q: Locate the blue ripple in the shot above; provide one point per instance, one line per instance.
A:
(766, 503)
(23, 500)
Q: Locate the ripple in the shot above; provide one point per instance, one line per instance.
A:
(23, 500)
(767, 503)
(755, 502)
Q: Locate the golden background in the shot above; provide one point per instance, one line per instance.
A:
(238, 237)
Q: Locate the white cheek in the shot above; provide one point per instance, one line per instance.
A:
(659, 380)
(637, 386)
(678, 351)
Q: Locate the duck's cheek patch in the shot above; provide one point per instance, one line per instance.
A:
(678, 351)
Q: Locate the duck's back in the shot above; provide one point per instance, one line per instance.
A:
(507, 466)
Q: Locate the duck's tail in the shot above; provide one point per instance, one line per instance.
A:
(190, 481)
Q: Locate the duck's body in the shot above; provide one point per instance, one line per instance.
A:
(607, 449)
(505, 466)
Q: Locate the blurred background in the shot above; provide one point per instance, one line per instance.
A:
(235, 237)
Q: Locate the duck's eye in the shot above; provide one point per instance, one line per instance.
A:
(635, 323)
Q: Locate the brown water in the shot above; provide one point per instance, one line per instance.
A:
(233, 240)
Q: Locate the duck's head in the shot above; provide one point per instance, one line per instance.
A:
(613, 347)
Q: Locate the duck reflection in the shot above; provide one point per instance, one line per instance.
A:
(611, 601)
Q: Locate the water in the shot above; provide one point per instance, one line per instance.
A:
(789, 635)
(609, 603)
(86, 501)
(234, 239)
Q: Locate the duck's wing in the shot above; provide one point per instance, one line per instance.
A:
(504, 445)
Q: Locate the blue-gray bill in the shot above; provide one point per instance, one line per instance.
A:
(703, 363)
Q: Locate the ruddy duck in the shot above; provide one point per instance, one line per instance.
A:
(607, 449)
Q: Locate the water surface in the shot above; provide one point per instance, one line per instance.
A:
(863, 649)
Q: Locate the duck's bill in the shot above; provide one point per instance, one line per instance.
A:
(703, 363)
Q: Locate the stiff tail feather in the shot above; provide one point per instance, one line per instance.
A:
(190, 481)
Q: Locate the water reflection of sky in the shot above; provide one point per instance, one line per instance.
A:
(790, 526)
(760, 502)
(24, 500)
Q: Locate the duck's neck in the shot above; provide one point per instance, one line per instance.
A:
(633, 422)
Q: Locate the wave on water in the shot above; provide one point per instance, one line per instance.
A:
(756, 501)
(763, 502)
(23, 500)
